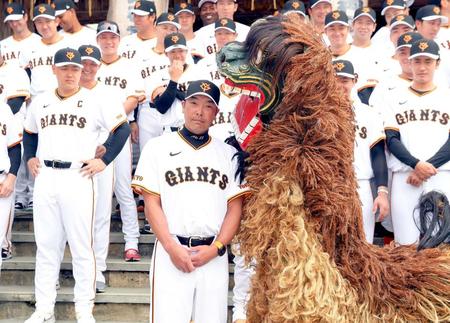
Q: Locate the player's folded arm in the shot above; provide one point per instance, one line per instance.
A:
(115, 142)
(442, 156)
(16, 102)
(399, 150)
(164, 101)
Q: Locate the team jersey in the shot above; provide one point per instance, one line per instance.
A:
(69, 128)
(208, 40)
(11, 49)
(14, 82)
(40, 59)
(195, 46)
(443, 38)
(194, 184)
(388, 67)
(382, 42)
(152, 64)
(383, 91)
(85, 36)
(368, 132)
(10, 135)
(174, 116)
(132, 46)
(423, 123)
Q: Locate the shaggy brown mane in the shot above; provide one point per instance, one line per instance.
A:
(303, 222)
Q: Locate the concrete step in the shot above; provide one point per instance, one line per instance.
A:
(24, 244)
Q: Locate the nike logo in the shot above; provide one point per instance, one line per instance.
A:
(174, 154)
(391, 88)
(401, 103)
(45, 105)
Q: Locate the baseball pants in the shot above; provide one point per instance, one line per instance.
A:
(64, 209)
(404, 200)
(366, 198)
(178, 297)
(6, 209)
(242, 278)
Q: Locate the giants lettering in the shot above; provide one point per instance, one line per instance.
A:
(361, 131)
(222, 118)
(41, 61)
(1, 88)
(202, 174)
(10, 56)
(422, 115)
(65, 119)
(115, 81)
(3, 128)
(211, 49)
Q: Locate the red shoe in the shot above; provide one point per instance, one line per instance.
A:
(132, 255)
(140, 207)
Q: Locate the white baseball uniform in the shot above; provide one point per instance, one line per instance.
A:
(123, 78)
(384, 89)
(10, 135)
(423, 124)
(368, 132)
(134, 47)
(85, 36)
(202, 182)
(11, 48)
(382, 42)
(64, 200)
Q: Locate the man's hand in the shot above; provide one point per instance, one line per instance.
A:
(381, 203)
(181, 258)
(33, 166)
(92, 167)
(413, 179)
(134, 132)
(203, 254)
(100, 151)
(425, 170)
(7, 186)
(176, 70)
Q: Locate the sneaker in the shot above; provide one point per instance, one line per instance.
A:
(100, 287)
(19, 206)
(41, 317)
(140, 206)
(6, 254)
(132, 255)
(85, 318)
(146, 229)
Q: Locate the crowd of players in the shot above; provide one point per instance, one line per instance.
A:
(398, 80)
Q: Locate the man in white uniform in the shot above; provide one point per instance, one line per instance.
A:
(189, 271)
(186, 17)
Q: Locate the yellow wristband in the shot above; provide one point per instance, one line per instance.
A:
(218, 244)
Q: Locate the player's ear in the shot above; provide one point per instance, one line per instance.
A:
(54, 69)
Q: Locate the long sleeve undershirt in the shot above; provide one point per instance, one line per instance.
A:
(397, 148)
(379, 165)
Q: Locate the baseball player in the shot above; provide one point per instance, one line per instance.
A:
(140, 43)
(207, 12)
(317, 11)
(118, 75)
(186, 17)
(189, 271)
(417, 132)
(10, 156)
(296, 7)
(225, 9)
(65, 185)
(369, 157)
(443, 37)
(16, 18)
(71, 27)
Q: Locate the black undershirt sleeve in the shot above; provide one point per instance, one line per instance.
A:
(15, 155)
(28, 71)
(379, 166)
(16, 103)
(136, 113)
(396, 147)
(442, 156)
(115, 142)
(30, 145)
(163, 102)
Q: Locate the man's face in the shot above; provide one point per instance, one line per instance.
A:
(208, 13)
(186, 21)
(89, 71)
(363, 27)
(47, 28)
(109, 43)
(391, 13)
(397, 31)
(65, 20)
(423, 69)
(18, 26)
(177, 54)
(223, 37)
(402, 55)
(162, 30)
(68, 77)
(226, 8)
(318, 13)
(346, 85)
(199, 113)
(337, 34)
(428, 28)
(143, 23)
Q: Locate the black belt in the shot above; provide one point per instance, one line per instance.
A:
(57, 164)
(195, 241)
(1, 172)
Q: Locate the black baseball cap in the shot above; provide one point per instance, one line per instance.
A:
(430, 12)
(90, 52)
(407, 39)
(344, 68)
(395, 4)
(183, 7)
(173, 41)
(225, 23)
(44, 11)
(61, 6)
(13, 11)
(67, 56)
(336, 17)
(365, 11)
(296, 6)
(425, 47)
(108, 27)
(168, 18)
(144, 8)
(402, 20)
(205, 88)
(314, 3)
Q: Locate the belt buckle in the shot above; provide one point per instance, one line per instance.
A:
(193, 238)
(55, 162)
